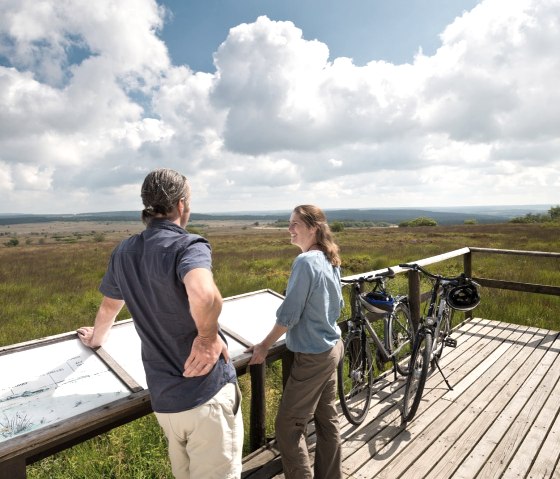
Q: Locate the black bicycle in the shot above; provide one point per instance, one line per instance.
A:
(379, 330)
(448, 294)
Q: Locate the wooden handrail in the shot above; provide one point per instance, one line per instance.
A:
(14, 455)
(514, 252)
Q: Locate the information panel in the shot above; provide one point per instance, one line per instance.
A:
(48, 381)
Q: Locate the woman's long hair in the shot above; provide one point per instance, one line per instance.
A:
(313, 216)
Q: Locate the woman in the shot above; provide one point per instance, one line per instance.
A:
(308, 316)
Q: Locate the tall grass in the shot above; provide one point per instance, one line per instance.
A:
(52, 288)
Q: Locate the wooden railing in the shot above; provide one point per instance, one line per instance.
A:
(15, 456)
(416, 297)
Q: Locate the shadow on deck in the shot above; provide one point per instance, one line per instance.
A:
(500, 420)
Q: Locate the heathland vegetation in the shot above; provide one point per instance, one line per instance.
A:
(49, 280)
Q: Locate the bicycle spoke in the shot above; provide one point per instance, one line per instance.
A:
(401, 337)
(355, 379)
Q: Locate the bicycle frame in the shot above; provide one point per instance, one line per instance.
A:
(437, 301)
(359, 317)
(366, 350)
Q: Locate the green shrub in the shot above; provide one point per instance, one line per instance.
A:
(421, 221)
(337, 227)
(12, 242)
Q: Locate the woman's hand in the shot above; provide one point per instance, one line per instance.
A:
(259, 353)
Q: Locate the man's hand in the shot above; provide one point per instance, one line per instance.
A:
(205, 353)
(106, 314)
(85, 334)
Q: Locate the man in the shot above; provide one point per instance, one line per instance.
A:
(164, 276)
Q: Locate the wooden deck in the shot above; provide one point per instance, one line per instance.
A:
(500, 420)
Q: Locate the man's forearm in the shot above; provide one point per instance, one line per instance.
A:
(205, 316)
(205, 301)
(105, 318)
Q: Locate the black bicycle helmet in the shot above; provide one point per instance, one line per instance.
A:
(464, 297)
(376, 302)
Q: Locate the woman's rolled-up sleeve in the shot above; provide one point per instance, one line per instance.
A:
(297, 293)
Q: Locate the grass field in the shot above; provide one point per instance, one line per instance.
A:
(49, 280)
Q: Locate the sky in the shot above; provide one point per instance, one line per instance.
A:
(267, 104)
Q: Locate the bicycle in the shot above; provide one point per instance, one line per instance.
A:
(448, 294)
(357, 369)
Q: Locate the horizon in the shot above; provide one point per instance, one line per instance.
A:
(535, 207)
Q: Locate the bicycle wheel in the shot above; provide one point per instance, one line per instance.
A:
(443, 332)
(419, 364)
(401, 337)
(355, 378)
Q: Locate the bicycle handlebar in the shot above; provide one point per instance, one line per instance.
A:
(371, 278)
(417, 267)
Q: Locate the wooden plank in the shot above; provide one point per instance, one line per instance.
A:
(58, 436)
(125, 378)
(258, 406)
(480, 454)
(386, 454)
(531, 445)
(240, 339)
(520, 414)
(434, 418)
(422, 262)
(262, 464)
(383, 422)
(475, 375)
(502, 418)
(386, 404)
(515, 286)
(13, 469)
(546, 461)
(515, 252)
(472, 413)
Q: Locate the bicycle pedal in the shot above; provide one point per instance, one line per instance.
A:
(450, 342)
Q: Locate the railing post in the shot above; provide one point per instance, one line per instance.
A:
(257, 433)
(414, 297)
(467, 264)
(467, 268)
(14, 468)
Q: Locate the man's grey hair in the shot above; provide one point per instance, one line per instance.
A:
(161, 191)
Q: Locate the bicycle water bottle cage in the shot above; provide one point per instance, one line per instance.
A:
(376, 302)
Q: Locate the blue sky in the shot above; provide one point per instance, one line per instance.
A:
(363, 30)
(267, 104)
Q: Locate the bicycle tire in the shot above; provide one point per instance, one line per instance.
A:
(355, 378)
(439, 339)
(416, 380)
(401, 337)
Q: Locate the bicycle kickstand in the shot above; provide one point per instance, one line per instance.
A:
(436, 360)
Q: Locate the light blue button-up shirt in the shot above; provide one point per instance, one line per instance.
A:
(312, 305)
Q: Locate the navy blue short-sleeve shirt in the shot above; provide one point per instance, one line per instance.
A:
(147, 271)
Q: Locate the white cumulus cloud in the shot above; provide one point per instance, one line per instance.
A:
(90, 102)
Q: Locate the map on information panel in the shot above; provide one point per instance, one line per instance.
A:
(43, 384)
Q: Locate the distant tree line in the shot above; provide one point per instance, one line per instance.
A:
(553, 216)
(340, 225)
